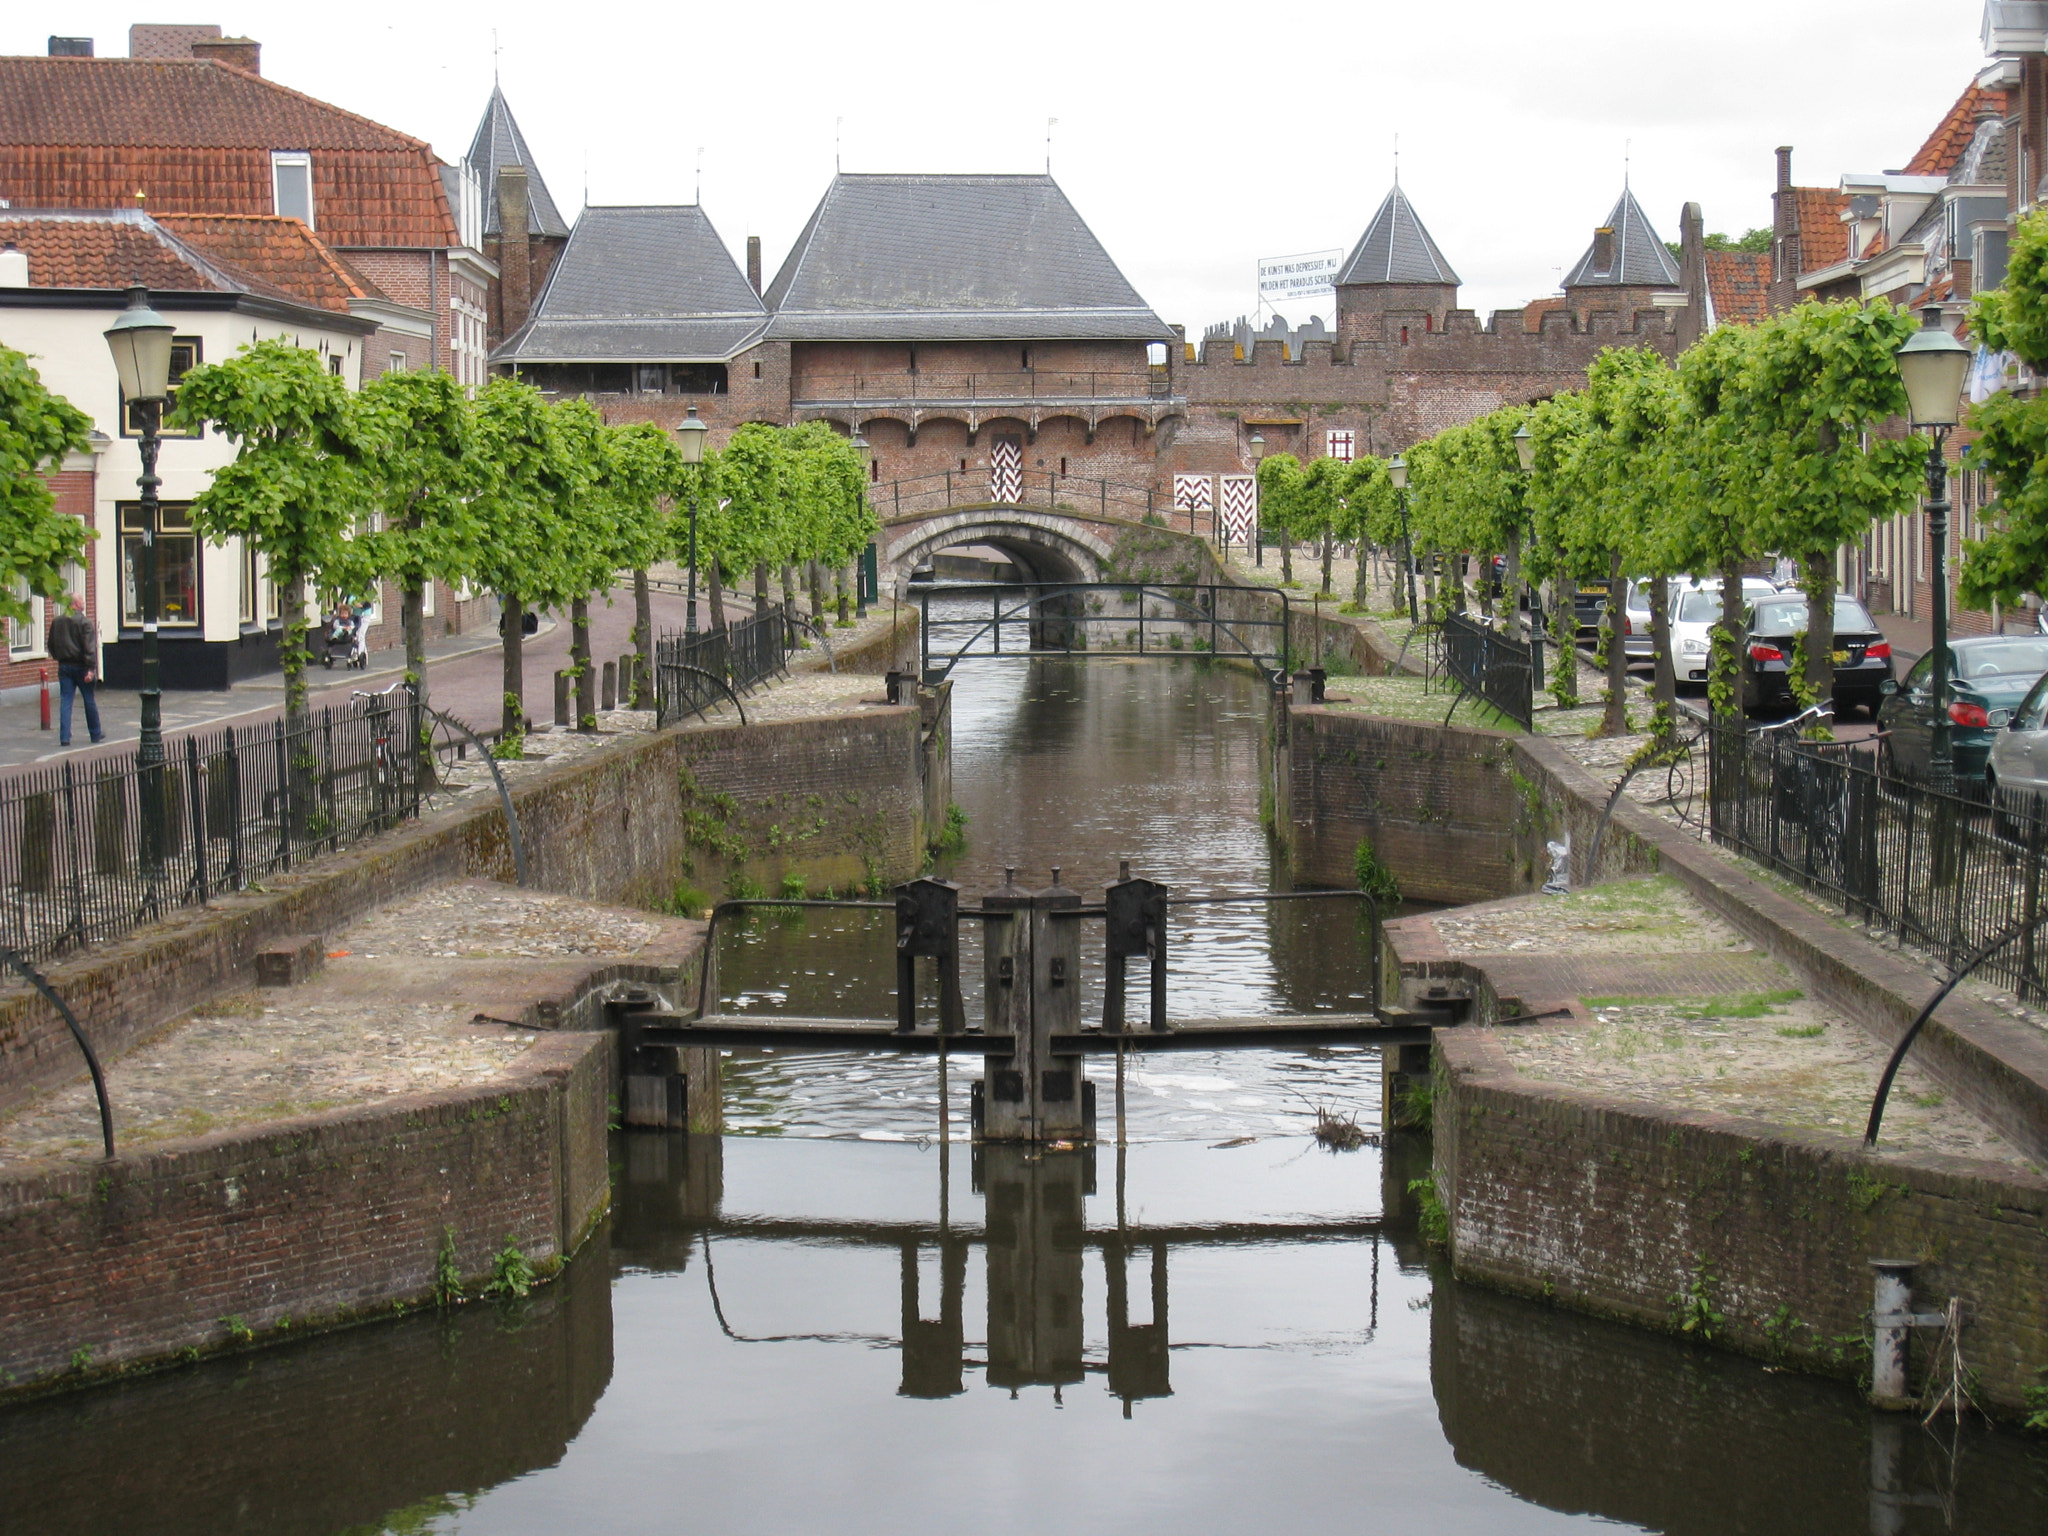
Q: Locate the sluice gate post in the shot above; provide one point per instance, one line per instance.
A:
(1033, 1039)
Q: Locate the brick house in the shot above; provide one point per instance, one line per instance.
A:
(64, 279)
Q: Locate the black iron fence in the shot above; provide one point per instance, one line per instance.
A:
(1943, 872)
(1492, 666)
(694, 672)
(92, 849)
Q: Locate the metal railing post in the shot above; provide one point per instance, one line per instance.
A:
(196, 793)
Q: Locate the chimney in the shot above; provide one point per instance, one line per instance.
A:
(1603, 249)
(156, 40)
(70, 47)
(515, 281)
(13, 266)
(754, 261)
(243, 53)
(1784, 166)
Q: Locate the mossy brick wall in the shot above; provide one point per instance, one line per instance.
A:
(1610, 1205)
(408, 1411)
(609, 828)
(323, 1220)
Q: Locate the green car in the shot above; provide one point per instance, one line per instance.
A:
(1988, 676)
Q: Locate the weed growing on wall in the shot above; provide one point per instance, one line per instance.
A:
(511, 1274)
(953, 836)
(1692, 1309)
(447, 1274)
(1374, 877)
(1432, 1220)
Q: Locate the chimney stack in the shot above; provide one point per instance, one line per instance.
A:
(1784, 166)
(13, 267)
(243, 53)
(70, 47)
(1603, 249)
(754, 261)
(515, 281)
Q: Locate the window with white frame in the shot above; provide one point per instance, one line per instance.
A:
(1340, 444)
(291, 181)
(25, 636)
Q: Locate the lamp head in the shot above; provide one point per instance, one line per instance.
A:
(1933, 366)
(690, 435)
(1397, 472)
(141, 343)
(1525, 448)
(862, 447)
(1258, 445)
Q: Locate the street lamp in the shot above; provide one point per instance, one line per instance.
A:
(866, 450)
(1933, 366)
(1258, 537)
(1397, 472)
(1525, 455)
(690, 434)
(141, 343)
(1525, 448)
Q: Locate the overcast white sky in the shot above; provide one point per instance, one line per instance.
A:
(1194, 138)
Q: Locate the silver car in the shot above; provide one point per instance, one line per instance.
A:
(2018, 764)
(1695, 610)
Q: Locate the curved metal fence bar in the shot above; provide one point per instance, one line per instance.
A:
(36, 979)
(681, 689)
(1490, 666)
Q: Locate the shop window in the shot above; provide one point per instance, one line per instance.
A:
(186, 354)
(177, 567)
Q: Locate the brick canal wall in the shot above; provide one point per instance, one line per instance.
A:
(302, 1224)
(628, 825)
(1613, 1206)
(1458, 814)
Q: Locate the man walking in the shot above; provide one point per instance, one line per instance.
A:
(75, 647)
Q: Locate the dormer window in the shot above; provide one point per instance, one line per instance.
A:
(291, 179)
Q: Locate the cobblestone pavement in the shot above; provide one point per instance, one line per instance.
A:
(375, 1024)
(1676, 1009)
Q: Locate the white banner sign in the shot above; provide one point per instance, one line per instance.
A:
(1299, 277)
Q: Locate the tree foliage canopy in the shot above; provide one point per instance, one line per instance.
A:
(37, 429)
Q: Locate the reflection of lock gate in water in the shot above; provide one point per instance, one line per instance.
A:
(1035, 1243)
(1033, 1041)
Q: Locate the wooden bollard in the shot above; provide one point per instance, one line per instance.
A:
(608, 687)
(562, 721)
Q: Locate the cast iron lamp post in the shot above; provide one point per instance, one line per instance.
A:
(690, 434)
(1397, 472)
(141, 343)
(1525, 455)
(866, 450)
(1933, 366)
(1258, 534)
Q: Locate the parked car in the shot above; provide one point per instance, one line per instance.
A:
(1589, 601)
(1635, 631)
(1695, 610)
(1989, 677)
(1862, 659)
(2018, 762)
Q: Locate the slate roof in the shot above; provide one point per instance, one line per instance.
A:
(1395, 248)
(1738, 285)
(1640, 259)
(953, 258)
(194, 136)
(647, 284)
(1944, 148)
(499, 142)
(124, 246)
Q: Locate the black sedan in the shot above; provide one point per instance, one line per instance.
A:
(1863, 657)
(1988, 676)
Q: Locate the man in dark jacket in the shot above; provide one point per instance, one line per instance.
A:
(75, 647)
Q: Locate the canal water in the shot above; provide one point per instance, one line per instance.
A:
(831, 1320)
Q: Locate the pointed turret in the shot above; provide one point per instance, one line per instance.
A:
(499, 143)
(1626, 253)
(1395, 281)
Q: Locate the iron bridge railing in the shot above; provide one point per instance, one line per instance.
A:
(1101, 618)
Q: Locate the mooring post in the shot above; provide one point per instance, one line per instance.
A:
(1055, 1090)
(608, 687)
(999, 1105)
(928, 923)
(562, 701)
(1892, 1320)
(1136, 926)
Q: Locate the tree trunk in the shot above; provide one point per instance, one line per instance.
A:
(847, 582)
(412, 618)
(1727, 641)
(1820, 624)
(291, 647)
(789, 587)
(1361, 587)
(1665, 684)
(760, 589)
(1456, 577)
(512, 720)
(1286, 557)
(814, 578)
(1513, 591)
(579, 664)
(717, 595)
(643, 643)
(1329, 554)
(1614, 623)
(1564, 621)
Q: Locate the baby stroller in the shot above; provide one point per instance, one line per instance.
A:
(345, 642)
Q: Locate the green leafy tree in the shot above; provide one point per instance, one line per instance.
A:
(1283, 505)
(421, 477)
(37, 429)
(2011, 559)
(297, 484)
(1369, 515)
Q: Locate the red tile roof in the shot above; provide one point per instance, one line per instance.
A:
(281, 252)
(1945, 146)
(1823, 237)
(273, 257)
(1739, 282)
(1534, 310)
(193, 136)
